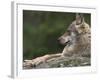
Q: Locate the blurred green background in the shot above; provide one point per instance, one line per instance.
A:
(41, 29)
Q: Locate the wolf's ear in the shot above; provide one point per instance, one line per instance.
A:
(79, 18)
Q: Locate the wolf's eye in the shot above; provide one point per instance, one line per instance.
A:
(68, 32)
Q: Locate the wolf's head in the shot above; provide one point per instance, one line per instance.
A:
(79, 26)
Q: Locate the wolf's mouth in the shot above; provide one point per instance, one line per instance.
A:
(68, 42)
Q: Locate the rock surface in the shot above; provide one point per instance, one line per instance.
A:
(57, 62)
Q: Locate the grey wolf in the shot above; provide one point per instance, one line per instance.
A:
(77, 37)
